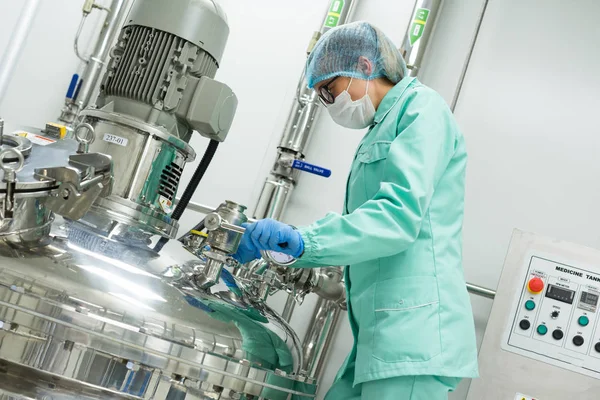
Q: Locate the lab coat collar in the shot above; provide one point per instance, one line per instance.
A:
(391, 98)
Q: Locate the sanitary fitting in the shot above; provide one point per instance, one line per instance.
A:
(224, 236)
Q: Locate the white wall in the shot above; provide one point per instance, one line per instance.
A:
(527, 110)
(38, 87)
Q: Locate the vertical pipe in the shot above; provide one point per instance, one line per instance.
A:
(319, 336)
(419, 31)
(11, 55)
(98, 58)
(93, 69)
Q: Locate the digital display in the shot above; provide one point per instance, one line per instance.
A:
(560, 294)
(589, 299)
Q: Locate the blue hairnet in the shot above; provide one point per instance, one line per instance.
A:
(338, 51)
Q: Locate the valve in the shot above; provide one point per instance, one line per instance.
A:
(310, 168)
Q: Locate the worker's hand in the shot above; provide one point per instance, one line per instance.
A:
(268, 234)
(246, 251)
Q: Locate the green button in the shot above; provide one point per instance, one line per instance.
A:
(583, 320)
(542, 329)
(530, 305)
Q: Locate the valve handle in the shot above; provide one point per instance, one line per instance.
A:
(72, 87)
(313, 169)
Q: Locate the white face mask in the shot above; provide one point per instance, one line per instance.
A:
(357, 114)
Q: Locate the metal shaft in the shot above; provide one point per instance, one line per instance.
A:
(481, 291)
(16, 43)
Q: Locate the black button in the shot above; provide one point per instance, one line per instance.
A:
(554, 314)
(524, 324)
(557, 334)
(578, 340)
(597, 347)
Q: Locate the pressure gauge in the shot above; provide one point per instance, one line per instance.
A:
(278, 258)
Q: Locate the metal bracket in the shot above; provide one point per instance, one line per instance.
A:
(88, 176)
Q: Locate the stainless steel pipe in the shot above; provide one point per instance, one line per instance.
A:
(481, 291)
(96, 62)
(419, 32)
(319, 336)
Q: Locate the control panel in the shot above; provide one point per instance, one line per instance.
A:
(556, 316)
(542, 339)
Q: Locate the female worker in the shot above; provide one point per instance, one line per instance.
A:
(400, 234)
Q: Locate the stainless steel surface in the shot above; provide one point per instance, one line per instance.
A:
(223, 239)
(102, 316)
(148, 163)
(57, 154)
(481, 291)
(87, 177)
(13, 50)
(158, 131)
(213, 221)
(204, 209)
(328, 284)
(288, 309)
(413, 51)
(225, 227)
(463, 73)
(305, 109)
(320, 333)
(17, 142)
(1, 130)
(274, 198)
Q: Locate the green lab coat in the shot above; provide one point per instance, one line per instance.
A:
(400, 236)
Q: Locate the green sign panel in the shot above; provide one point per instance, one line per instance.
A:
(333, 18)
(418, 25)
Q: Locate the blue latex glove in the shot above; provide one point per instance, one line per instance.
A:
(268, 234)
(246, 251)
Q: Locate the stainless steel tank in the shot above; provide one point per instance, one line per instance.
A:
(90, 306)
(87, 315)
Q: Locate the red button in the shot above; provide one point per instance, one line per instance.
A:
(535, 285)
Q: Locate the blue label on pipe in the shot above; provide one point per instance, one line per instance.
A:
(313, 169)
(72, 86)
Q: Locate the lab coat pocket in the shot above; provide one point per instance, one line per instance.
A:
(372, 163)
(407, 322)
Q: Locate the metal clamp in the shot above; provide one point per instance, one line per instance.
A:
(10, 177)
(84, 141)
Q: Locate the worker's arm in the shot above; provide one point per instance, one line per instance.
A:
(390, 222)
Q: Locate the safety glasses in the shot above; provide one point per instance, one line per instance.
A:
(325, 95)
